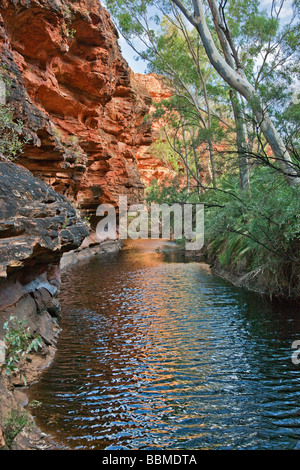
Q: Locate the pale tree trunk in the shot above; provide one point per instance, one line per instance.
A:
(212, 162)
(206, 98)
(235, 101)
(196, 160)
(241, 141)
(187, 161)
(238, 81)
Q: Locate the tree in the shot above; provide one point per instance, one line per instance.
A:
(175, 52)
(268, 49)
(237, 79)
(235, 101)
(254, 32)
(178, 55)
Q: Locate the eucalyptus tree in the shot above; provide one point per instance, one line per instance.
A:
(234, 74)
(160, 35)
(267, 45)
(187, 139)
(198, 98)
(224, 28)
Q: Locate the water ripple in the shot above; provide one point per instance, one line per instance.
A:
(157, 353)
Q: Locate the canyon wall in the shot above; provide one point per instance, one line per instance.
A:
(82, 114)
(37, 225)
(81, 107)
(150, 166)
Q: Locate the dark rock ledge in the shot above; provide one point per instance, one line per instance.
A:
(37, 226)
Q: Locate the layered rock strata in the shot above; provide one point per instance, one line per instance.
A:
(81, 108)
(37, 225)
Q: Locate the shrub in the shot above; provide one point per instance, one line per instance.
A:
(10, 132)
(19, 343)
(15, 422)
(252, 234)
(257, 233)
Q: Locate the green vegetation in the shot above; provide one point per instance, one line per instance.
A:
(11, 131)
(14, 423)
(69, 17)
(71, 33)
(19, 343)
(231, 128)
(257, 237)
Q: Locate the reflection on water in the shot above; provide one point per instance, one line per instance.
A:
(157, 353)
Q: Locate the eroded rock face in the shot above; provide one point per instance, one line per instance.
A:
(74, 92)
(37, 225)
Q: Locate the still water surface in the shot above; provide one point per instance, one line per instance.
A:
(157, 353)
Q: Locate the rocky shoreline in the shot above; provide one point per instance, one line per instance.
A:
(12, 390)
(37, 226)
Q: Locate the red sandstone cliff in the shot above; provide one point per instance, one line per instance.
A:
(81, 108)
(150, 166)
